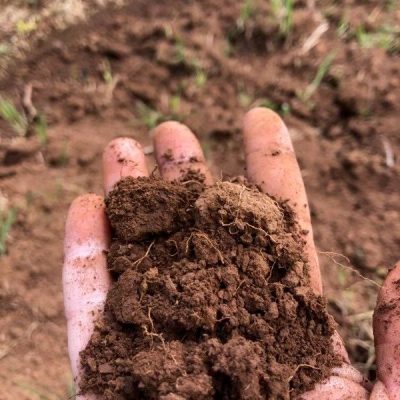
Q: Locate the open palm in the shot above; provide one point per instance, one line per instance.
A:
(271, 163)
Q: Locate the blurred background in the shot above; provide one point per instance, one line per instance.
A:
(74, 74)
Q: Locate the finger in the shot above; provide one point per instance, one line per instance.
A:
(336, 388)
(85, 277)
(339, 347)
(379, 392)
(122, 157)
(271, 163)
(387, 333)
(347, 371)
(345, 383)
(178, 151)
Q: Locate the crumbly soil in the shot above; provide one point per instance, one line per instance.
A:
(344, 138)
(211, 298)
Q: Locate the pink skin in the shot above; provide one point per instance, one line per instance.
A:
(271, 163)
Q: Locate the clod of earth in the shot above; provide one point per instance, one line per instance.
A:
(211, 298)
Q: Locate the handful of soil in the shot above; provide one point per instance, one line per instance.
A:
(211, 298)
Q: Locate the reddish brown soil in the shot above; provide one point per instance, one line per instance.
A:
(339, 139)
(211, 298)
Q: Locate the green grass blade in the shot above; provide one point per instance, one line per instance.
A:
(7, 220)
(41, 129)
(9, 113)
(323, 70)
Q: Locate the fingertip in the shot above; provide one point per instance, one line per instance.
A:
(257, 114)
(391, 285)
(174, 137)
(84, 202)
(264, 129)
(177, 151)
(170, 127)
(271, 163)
(122, 157)
(118, 147)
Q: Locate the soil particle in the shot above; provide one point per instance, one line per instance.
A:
(211, 298)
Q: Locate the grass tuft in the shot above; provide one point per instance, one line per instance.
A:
(246, 13)
(175, 105)
(283, 11)
(151, 117)
(180, 51)
(4, 49)
(200, 78)
(41, 129)
(148, 115)
(37, 393)
(7, 220)
(386, 37)
(16, 119)
(343, 28)
(282, 109)
(323, 70)
(245, 99)
(107, 73)
(26, 27)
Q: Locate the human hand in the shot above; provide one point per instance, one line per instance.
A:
(271, 163)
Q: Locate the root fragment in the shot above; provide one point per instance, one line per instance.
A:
(138, 261)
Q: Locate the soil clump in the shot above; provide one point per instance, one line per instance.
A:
(211, 298)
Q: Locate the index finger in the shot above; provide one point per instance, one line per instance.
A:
(271, 163)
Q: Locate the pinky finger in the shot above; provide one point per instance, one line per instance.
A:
(85, 277)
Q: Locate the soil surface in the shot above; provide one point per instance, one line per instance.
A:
(121, 70)
(211, 298)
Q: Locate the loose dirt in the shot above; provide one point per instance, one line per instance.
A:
(211, 298)
(195, 62)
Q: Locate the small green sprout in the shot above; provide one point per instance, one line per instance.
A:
(391, 5)
(63, 157)
(245, 99)
(37, 393)
(283, 11)
(17, 120)
(343, 28)
(228, 48)
(246, 13)
(175, 104)
(71, 390)
(180, 51)
(7, 220)
(150, 117)
(40, 127)
(282, 109)
(26, 27)
(323, 70)
(107, 72)
(386, 37)
(4, 49)
(200, 78)
(168, 31)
